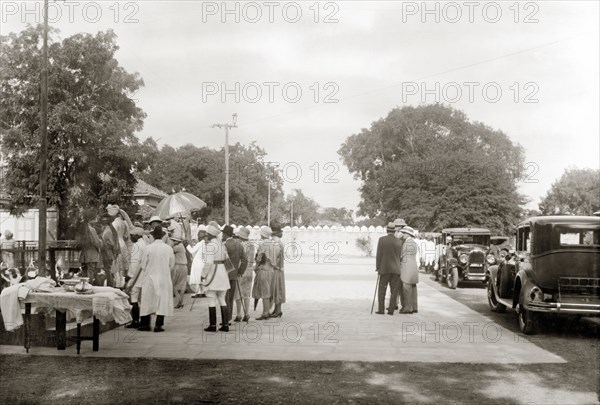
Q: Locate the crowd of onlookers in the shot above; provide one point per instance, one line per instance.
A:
(158, 261)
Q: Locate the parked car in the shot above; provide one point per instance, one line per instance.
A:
(466, 257)
(554, 269)
(500, 246)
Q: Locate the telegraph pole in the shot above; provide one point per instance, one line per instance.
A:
(44, 146)
(269, 204)
(227, 128)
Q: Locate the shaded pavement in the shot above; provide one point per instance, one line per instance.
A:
(327, 317)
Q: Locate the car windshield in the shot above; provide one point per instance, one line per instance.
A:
(498, 241)
(477, 239)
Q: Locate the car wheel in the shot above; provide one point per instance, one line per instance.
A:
(495, 306)
(452, 278)
(505, 281)
(527, 321)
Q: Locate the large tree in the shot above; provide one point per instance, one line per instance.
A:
(577, 192)
(200, 171)
(92, 120)
(436, 169)
(343, 216)
(305, 209)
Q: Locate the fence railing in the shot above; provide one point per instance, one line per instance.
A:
(21, 254)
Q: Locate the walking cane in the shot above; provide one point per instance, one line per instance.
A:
(193, 301)
(240, 294)
(374, 294)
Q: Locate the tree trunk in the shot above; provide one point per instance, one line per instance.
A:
(63, 227)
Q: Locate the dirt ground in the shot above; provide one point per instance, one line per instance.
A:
(63, 380)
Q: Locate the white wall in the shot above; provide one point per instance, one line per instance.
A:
(26, 227)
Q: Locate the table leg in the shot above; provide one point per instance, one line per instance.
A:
(61, 330)
(96, 335)
(26, 326)
(78, 337)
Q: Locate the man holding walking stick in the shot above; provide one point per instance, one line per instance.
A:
(239, 262)
(388, 259)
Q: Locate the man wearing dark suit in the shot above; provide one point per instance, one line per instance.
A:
(389, 251)
(238, 258)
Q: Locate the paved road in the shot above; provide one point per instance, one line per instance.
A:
(327, 317)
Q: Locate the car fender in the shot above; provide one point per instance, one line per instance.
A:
(523, 283)
(492, 272)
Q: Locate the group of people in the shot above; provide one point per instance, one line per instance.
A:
(397, 266)
(223, 267)
(151, 263)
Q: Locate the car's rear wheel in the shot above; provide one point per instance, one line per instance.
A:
(452, 278)
(495, 306)
(528, 321)
(504, 282)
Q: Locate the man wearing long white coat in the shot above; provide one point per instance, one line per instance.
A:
(409, 271)
(134, 275)
(157, 287)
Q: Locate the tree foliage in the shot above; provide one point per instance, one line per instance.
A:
(343, 216)
(577, 192)
(200, 171)
(433, 167)
(305, 209)
(92, 120)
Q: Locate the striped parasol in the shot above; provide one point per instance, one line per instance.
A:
(182, 203)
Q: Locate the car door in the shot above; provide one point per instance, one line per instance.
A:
(524, 248)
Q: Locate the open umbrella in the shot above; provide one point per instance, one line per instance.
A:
(178, 203)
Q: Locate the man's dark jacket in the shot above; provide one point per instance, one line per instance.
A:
(238, 258)
(389, 251)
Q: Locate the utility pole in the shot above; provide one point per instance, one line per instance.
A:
(292, 221)
(44, 147)
(269, 204)
(227, 128)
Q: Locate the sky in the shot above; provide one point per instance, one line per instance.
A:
(303, 76)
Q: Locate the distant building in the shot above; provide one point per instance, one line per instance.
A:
(145, 194)
(26, 227)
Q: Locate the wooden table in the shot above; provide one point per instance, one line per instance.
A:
(79, 304)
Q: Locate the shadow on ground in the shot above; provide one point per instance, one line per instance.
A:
(65, 380)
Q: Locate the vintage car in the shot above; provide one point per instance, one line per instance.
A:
(555, 269)
(466, 258)
(500, 246)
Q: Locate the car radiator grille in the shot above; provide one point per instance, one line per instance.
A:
(577, 286)
(476, 260)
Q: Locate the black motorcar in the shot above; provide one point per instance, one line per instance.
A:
(466, 257)
(555, 269)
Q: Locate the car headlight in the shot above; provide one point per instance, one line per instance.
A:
(463, 258)
(536, 294)
(491, 259)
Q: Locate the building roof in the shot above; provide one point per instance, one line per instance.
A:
(144, 189)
